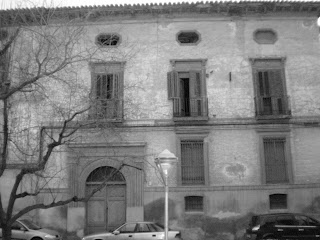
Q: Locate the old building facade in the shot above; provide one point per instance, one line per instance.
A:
(230, 88)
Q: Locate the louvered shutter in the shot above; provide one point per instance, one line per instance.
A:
(275, 160)
(264, 92)
(196, 102)
(173, 85)
(174, 92)
(117, 94)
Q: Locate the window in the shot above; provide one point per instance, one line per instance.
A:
(16, 226)
(193, 204)
(285, 220)
(270, 89)
(188, 37)
(187, 89)
(3, 34)
(265, 36)
(4, 68)
(275, 159)
(107, 90)
(128, 228)
(275, 156)
(278, 201)
(108, 39)
(192, 162)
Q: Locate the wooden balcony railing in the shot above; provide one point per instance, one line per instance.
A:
(272, 106)
(111, 109)
(190, 107)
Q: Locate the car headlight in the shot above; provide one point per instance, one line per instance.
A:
(49, 236)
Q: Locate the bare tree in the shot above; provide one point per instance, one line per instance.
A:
(41, 51)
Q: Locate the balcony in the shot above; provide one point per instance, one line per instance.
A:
(108, 109)
(272, 106)
(190, 108)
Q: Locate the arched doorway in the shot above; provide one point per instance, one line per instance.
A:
(107, 207)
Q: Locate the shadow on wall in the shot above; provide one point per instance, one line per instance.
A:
(155, 211)
(230, 228)
(199, 226)
(313, 209)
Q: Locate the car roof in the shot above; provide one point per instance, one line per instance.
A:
(276, 214)
(140, 222)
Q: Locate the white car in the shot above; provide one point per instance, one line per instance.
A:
(136, 230)
(26, 230)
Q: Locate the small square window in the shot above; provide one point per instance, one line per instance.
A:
(278, 201)
(194, 204)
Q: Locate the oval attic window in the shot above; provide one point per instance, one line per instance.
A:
(265, 36)
(108, 39)
(188, 37)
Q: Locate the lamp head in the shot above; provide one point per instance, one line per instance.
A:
(166, 159)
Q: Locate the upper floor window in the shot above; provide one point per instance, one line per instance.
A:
(265, 36)
(108, 39)
(4, 68)
(187, 89)
(270, 89)
(188, 37)
(107, 90)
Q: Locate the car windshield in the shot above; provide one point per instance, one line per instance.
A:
(30, 224)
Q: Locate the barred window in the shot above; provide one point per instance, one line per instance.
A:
(192, 162)
(108, 39)
(278, 201)
(275, 160)
(193, 204)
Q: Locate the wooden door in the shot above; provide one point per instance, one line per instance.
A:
(106, 209)
(116, 206)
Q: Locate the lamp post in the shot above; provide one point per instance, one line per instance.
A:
(164, 161)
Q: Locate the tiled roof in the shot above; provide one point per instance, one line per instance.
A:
(225, 8)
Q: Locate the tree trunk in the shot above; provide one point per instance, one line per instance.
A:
(6, 232)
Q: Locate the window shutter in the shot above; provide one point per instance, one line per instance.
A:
(264, 84)
(276, 82)
(118, 88)
(196, 102)
(173, 85)
(118, 83)
(275, 162)
(195, 84)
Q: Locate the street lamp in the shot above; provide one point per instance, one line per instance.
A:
(164, 162)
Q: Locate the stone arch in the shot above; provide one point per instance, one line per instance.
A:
(94, 165)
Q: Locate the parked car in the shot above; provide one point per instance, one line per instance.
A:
(283, 226)
(136, 230)
(25, 229)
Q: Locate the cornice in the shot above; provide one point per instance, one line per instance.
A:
(217, 8)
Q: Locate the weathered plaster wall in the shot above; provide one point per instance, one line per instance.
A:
(148, 46)
(234, 162)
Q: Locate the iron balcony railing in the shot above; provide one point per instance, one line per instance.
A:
(190, 107)
(272, 106)
(107, 109)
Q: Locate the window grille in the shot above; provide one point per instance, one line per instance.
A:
(278, 201)
(102, 173)
(192, 163)
(275, 160)
(194, 204)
